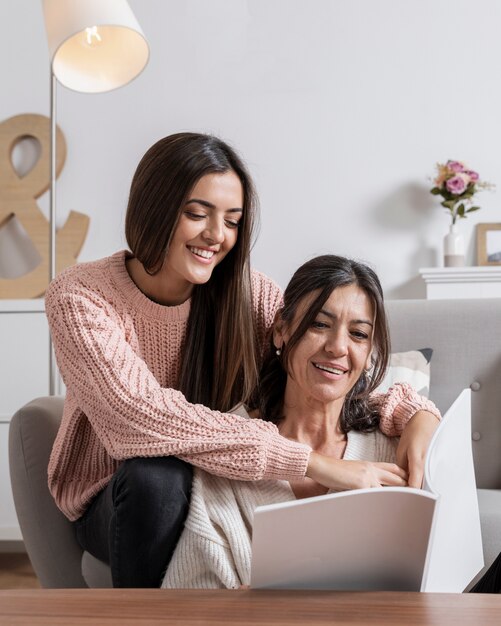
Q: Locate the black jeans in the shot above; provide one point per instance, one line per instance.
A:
(135, 522)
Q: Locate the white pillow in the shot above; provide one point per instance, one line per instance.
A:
(411, 367)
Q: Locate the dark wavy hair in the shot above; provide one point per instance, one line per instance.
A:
(323, 275)
(220, 359)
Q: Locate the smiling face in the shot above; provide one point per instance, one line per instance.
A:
(207, 230)
(332, 354)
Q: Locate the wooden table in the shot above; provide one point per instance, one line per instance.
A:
(141, 607)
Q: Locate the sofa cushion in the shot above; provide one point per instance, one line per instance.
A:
(411, 367)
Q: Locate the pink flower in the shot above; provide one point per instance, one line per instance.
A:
(457, 184)
(455, 166)
(474, 176)
(442, 173)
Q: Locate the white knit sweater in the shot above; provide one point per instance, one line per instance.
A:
(214, 550)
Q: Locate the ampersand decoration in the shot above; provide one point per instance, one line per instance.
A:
(18, 198)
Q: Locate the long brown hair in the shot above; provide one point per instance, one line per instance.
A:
(219, 359)
(324, 274)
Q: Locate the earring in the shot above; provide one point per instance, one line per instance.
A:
(278, 351)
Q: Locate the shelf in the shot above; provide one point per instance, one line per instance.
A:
(443, 283)
(22, 306)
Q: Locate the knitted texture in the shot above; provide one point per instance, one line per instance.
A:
(395, 407)
(119, 353)
(214, 550)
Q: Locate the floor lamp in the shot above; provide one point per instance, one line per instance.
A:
(94, 46)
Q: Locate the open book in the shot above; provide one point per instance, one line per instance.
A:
(390, 538)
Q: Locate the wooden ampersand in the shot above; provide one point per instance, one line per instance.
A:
(18, 198)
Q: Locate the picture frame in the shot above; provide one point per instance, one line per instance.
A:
(488, 244)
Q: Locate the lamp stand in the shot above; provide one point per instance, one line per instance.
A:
(76, 31)
(52, 222)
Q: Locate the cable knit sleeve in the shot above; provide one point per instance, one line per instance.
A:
(267, 299)
(397, 406)
(134, 416)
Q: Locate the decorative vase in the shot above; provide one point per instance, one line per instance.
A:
(454, 247)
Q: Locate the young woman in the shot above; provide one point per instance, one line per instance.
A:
(156, 345)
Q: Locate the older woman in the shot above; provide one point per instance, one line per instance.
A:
(328, 353)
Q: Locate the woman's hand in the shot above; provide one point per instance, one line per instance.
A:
(342, 475)
(414, 442)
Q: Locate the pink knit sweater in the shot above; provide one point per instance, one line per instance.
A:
(118, 353)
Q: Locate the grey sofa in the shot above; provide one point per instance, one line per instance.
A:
(48, 535)
(466, 339)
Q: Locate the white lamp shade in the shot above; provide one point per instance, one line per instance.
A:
(94, 45)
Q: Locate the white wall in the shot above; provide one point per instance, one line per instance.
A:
(341, 108)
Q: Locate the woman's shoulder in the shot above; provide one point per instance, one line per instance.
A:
(240, 409)
(91, 278)
(265, 291)
(262, 282)
(266, 301)
(88, 270)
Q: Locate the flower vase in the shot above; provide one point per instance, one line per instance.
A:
(454, 247)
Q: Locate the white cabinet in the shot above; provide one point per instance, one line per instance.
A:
(24, 375)
(444, 283)
(9, 528)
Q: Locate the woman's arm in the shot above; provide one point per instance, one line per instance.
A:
(398, 405)
(134, 416)
(413, 445)
(343, 475)
(415, 418)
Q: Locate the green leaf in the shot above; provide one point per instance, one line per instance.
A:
(448, 204)
(460, 210)
(435, 191)
(473, 208)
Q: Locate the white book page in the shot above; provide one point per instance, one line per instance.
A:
(381, 539)
(366, 539)
(455, 555)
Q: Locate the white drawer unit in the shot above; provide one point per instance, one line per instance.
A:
(9, 527)
(24, 375)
